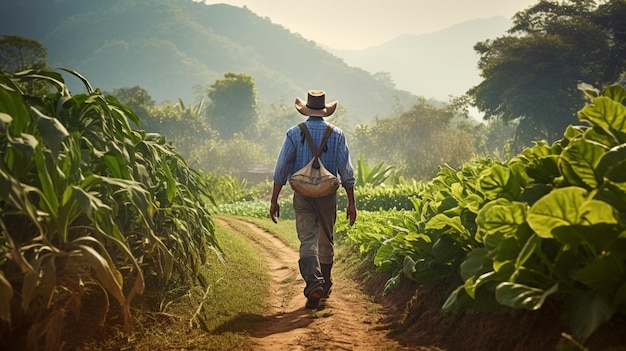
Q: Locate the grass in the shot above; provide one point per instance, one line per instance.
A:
(219, 315)
(285, 229)
(215, 317)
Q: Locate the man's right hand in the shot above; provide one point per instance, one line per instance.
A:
(274, 211)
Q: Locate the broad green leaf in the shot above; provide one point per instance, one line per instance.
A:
(612, 165)
(615, 194)
(582, 157)
(441, 221)
(456, 299)
(534, 192)
(602, 136)
(498, 181)
(572, 132)
(565, 207)
(408, 267)
(500, 217)
(606, 113)
(382, 255)
(520, 296)
(615, 92)
(116, 166)
(585, 312)
(472, 202)
(477, 262)
(543, 169)
(49, 192)
(532, 244)
(446, 249)
(392, 283)
(603, 272)
(599, 237)
(507, 250)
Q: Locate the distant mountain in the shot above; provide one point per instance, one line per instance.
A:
(432, 65)
(169, 46)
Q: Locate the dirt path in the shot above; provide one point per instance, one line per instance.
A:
(347, 321)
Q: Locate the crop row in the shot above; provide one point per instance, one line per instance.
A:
(88, 204)
(547, 224)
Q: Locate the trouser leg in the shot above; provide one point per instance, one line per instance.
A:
(315, 221)
(311, 273)
(328, 281)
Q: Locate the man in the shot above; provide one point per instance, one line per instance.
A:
(315, 216)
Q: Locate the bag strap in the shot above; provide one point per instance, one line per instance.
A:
(317, 152)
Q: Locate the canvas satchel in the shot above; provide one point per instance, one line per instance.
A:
(314, 180)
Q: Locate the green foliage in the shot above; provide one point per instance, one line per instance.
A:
(232, 105)
(18, 54)
(417, 141)
(547, 224)
(228, 189)
(372, 176)
(86, 202)
(374, 198)
(551, 46)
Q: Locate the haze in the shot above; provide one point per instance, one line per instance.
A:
(358, 24)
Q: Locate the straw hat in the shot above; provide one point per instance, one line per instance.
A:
(316, 105)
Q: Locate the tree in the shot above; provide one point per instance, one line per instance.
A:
(19, 54)
(532, 74)
(418, 141)
(233, 104)
(137, 99)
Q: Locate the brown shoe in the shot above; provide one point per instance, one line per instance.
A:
(313, 300)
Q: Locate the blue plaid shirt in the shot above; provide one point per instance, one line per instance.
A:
(295, 153)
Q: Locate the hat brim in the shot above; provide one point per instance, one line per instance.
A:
(328, 110)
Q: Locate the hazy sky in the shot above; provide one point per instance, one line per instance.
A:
(358, 24)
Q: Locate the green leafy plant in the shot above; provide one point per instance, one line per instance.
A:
(547, 225)
(88, 204)
(372, 176)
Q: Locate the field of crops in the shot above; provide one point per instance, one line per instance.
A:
(88, 203)
(546, 225)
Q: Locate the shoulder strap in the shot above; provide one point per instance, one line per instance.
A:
(316, 151)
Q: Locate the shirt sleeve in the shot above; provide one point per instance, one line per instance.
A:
(344, 165)
(284, 163)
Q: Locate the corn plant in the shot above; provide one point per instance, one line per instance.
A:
(88, 204)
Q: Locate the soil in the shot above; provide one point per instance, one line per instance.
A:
(347, 320)
(357, 317)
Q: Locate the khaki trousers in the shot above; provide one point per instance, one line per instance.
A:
(315, 225)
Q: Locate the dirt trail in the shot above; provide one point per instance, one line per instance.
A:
(348, 320)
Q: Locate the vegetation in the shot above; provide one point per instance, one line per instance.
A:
(551, 47)
(232, 105)
(88, 206)
(546, 225)
(91, 208)
(19, 54)
(194, 316)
